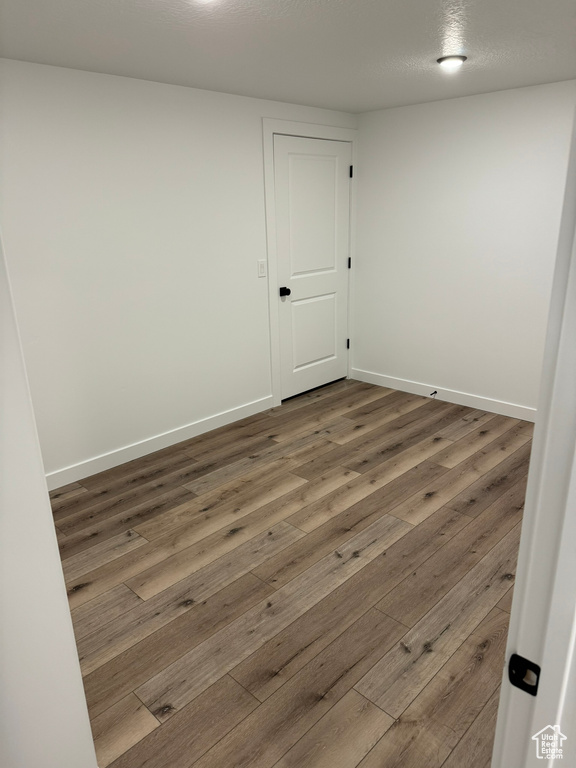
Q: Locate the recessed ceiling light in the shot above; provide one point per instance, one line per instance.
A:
(451, 63)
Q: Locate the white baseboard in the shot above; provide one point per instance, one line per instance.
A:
(89, 467)
(448, 395)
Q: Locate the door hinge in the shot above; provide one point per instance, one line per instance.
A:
(351, 171)
(347, 343)
(349, 262)
(524, 674)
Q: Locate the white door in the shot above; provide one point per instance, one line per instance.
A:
(312, 198)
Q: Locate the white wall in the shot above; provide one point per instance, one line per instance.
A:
(43, 715)
(133, 217)
(459, 206)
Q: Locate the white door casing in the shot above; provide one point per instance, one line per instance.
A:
(543, 620)
(312, 214)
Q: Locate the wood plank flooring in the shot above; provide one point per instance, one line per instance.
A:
(324, 585)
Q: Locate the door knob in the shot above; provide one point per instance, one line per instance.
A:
(285, 291)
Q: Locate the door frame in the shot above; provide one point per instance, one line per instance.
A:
(270, 128)
(543, 618)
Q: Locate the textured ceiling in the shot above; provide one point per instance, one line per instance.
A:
(352, 55)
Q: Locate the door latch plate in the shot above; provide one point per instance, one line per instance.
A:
(524, 674)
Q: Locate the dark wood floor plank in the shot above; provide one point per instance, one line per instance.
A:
(148, 617)
(458, 693)
(239, 431)
(213, 479)
(460, 478)
(438, 718)
(468, 423)
(230, 451)
(201, 548)
(118, 496)
(267, 423)
(76, 566)
(59, 495)
(336, 404)
(94, 615)
(492, 484)
(196, 728)
(120, 727)
(189, 676)
(392, 410)
(141, 470)
(403, 673)
(414, 744)
(317, 394)
(376, 408)
(360, 487)
(472, 442)
(475, 748)
(238, 529)
(363, 461)
(341, 738)
(288, 651)
(506, 603)
(288, 427)
(302, 429)
(325, 584)
(115, 679)
(312, 450)
(105, 502)
(385, 438)
(266, 734)
(112, 526)
(426, 585)
(245, 493)
(328, 410)
(303, 553)
(321, 410)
